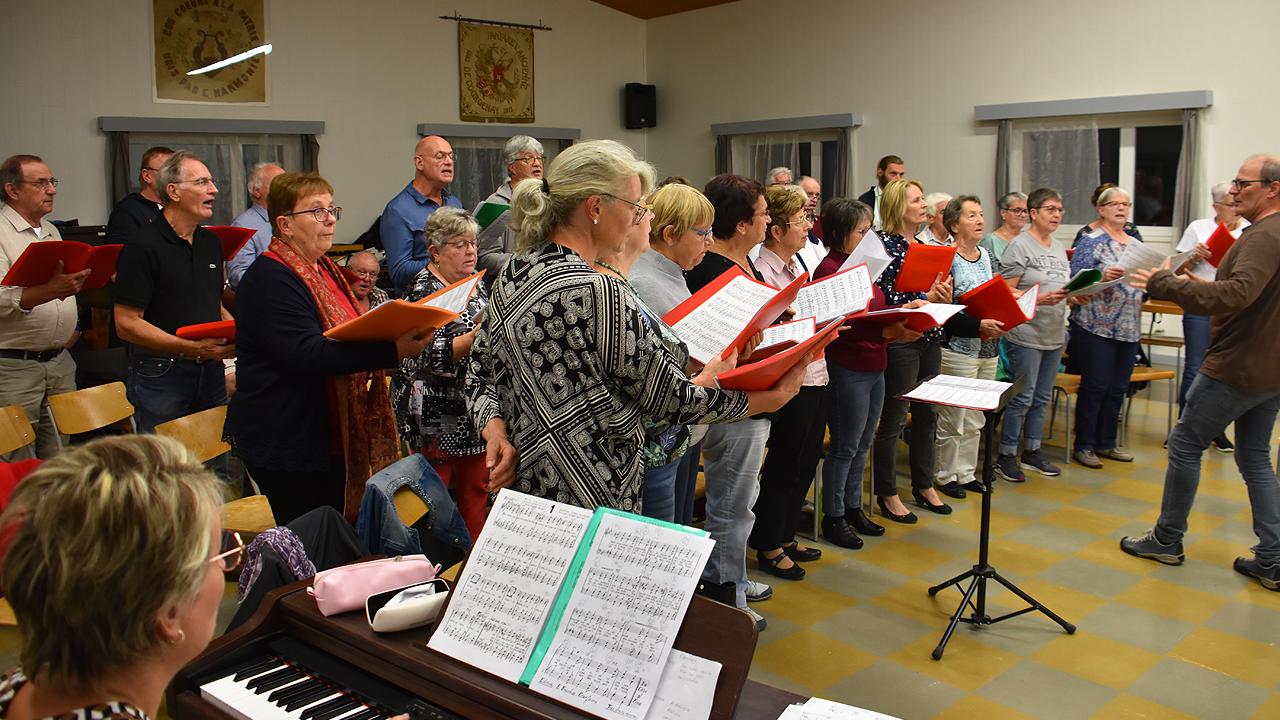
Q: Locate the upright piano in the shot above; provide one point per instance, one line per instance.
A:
(289, 661)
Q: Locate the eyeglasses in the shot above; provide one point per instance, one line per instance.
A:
(439, 156)
(43, 184)
(806, 220)
(366, 274)
(702, 233)
(641, 209)
(230, 560)
(319, 213)
(198, 182)
(1055, 209)
(1118, 203)
(540, 159)
(460, 244)
(1236, 184)
(1015, 211)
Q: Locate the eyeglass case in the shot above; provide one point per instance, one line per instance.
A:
(416, 612)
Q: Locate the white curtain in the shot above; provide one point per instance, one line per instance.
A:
(1062, 155)
(478, 167)
(755, 155)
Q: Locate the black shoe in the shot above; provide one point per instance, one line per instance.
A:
(794, 552)
(974, 486)
(952, 489)
(837, 532)
(859, 521)
(942, 509)
(1222, 444)
(770, 565)
(908, 519)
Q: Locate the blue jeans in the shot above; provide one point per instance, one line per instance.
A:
(164, 389)
(1105, 366)
(854, 401)
(658, 491)
(1195, 333)
(1211, 406)
(732, 455)
(1024, 415)
(686, 485)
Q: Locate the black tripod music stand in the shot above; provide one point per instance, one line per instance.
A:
(979, 574)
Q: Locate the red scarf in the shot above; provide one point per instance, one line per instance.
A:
(366, 423)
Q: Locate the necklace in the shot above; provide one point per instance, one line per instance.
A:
(610, 268)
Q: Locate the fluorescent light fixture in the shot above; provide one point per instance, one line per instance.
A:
(260, 50)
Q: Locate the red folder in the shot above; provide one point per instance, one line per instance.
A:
(763, 318)
(918, 319)
(1219, 243)
(233, 238)
(225, 329)
(921, 266)
(36, 264)
(993, 300)
(389, 321)
(765, 374)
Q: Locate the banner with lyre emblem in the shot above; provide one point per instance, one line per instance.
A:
(192, 34)
(495, 73)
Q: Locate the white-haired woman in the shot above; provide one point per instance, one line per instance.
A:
(934, 231)
(427, 389)
(525, 158)
(565, 355)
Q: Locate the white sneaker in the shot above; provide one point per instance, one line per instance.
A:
(757, 591)
(761, 624)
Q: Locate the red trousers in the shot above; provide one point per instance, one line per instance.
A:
(466, 476)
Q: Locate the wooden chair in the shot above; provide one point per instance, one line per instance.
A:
(15, 429)
(1065, 385)
(91, 409)
(200, 432)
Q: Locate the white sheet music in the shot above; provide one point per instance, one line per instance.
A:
(940, 312)
(1027, 301)
(456, 299)
(618, 627)
(687, 688)
(1095, 288)
(819, 709)
(506, 590)
(796, 330)
(973, 393)
(870, 252)
(1140, 256)
(835, 295)
(709, 328)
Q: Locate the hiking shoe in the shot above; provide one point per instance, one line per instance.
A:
(757, 591)
(1087, 458)
(1115, 454)
(1035, 460)
(1268, 575)
(1222, 444)
(1149, 546)
(1007, 468)
(761, 624)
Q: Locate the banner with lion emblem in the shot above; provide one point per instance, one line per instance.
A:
(191, 34)
(495, 73)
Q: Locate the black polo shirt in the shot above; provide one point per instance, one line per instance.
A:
(132, 212)
(176, 283)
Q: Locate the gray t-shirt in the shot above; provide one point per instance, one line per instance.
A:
(658, 281)
(1032, 263)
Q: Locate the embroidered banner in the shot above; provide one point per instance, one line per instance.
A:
(495, 73)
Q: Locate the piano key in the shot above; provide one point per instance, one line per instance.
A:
(293, 702)
(307, 683)
(283, 680)
(345, 708)
(285, 671)
(258, 668)
(368, 714)
(310, 713)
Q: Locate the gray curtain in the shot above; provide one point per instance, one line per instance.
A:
(843, 184)
(118, 165)
(1188, 162)
(1067, 160)
(1004, 138)
(310, 153)
(724, 154)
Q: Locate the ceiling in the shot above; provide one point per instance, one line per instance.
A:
(649, 9)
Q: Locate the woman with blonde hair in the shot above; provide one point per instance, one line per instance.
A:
(565, 355)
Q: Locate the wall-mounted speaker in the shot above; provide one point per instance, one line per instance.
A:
(639, 106)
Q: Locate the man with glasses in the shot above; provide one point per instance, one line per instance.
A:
(37, 323)
(170, 276)
(256, 218)
(1239, 380)
(407, 212)
(525, 159)
(365, 268)
(139, 208)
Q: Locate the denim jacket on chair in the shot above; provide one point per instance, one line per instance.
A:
(383, 531)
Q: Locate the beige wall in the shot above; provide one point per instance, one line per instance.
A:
(370, 70)
(916, 69)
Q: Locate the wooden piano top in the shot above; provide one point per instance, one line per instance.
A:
(710, 630)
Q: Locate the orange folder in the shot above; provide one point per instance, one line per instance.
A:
(389, 321)
(1219, 243)
(993, 300)
(765, 374)
(36, 264)
(763, 318)
(225, 329)
(921, 266)
(233, 238)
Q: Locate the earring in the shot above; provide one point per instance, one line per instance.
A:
(182, 635)
(595, 220)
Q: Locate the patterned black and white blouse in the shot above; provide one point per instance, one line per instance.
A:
(567, 360)
(895, 246)
(427, 389)
(13, 681)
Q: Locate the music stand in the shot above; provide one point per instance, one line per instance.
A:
(980, 573)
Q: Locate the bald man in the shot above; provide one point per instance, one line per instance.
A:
(407, 213)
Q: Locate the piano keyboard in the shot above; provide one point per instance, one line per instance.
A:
(290, 681)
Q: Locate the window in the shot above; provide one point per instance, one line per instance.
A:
(479, 168)
(811, 153)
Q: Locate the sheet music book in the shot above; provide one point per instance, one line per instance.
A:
(1140, 256)
(765, 374)
(490, 211)
(837, 295)
(1218, 243)
(819, 709)
(390, 320)
(925, 317)
(970, 393)
(870, 252)
(777, 338)
(232, 238)
(921, 266)
(727, 311)
(994, 300)
(225, 329)
(455, 297)
(1083, 280)
(1095, 288)
(580, 606)
(37, 263)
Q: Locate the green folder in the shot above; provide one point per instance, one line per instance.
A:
(489, 212)
(1083, 279)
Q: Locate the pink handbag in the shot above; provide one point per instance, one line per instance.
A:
(345, 588)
